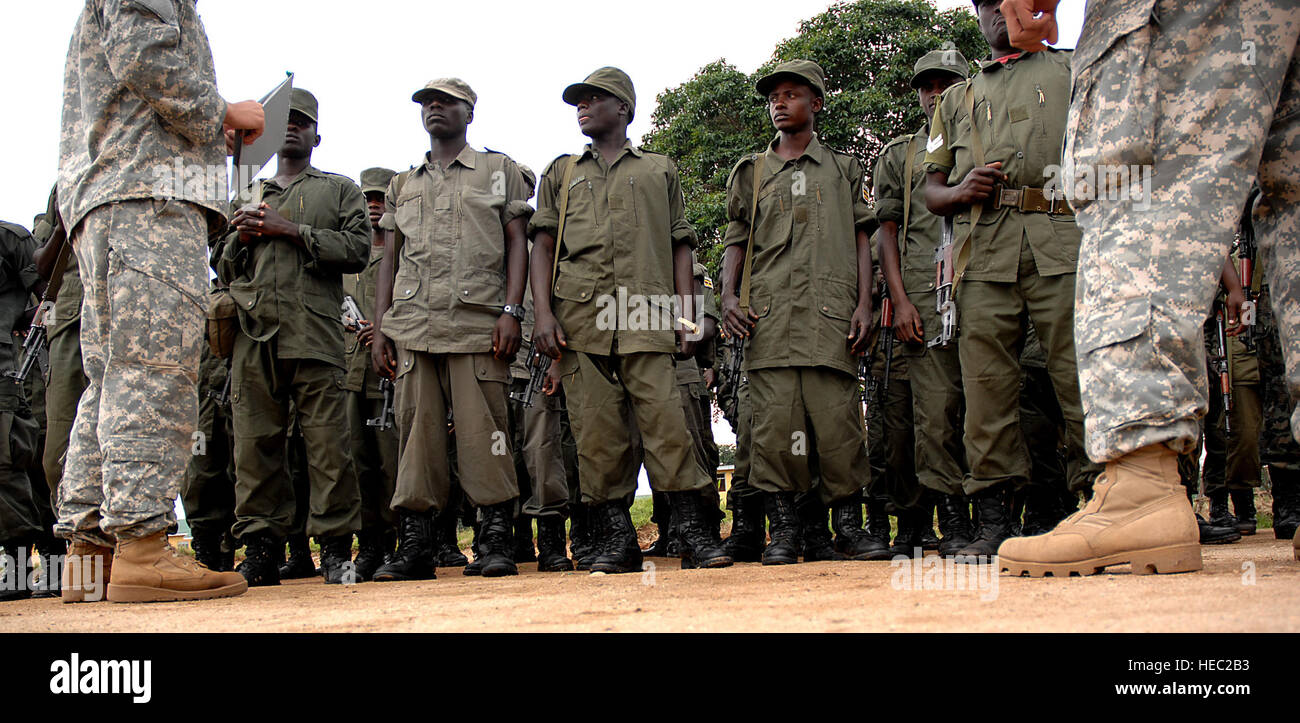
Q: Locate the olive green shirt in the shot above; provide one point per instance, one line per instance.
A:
(1020, 110)
(451, 278)
(292, 293)
(804, 284)
(615, 275)
(361, 375)
(17, 280)
(920, 239)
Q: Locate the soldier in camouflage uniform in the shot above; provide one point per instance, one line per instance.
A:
(1149, 261)
(1277, 446)
(294, 237)
(139, 73)
(20, 518)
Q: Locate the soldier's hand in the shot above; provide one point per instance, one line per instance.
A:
(1232, 309)
(860, 329)
(734, 323)
(383, 355)
(977, 186)
(506, 336)
(548, 337)
(1026, 31)
(366, 334)
(685, 344)
(247, 116)
(710, 378)
(551, 385)
(907, 322)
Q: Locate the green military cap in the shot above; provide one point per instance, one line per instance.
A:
(949, 60)
(609, 79)
(454, 87)
(305, 103)
(802, 71)
(376, 179)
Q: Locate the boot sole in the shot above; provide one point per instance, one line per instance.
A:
(401, 578)
(140, 593)
(1156, 560)
(711, 563)
(614, 569)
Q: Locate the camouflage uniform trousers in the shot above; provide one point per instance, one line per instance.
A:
(538, 453)
(1277, 447)
(143, 267)
(1183, 98)
(208, 493)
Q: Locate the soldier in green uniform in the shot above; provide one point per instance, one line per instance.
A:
(374, 449)
(447, 326)
(992, 139)
(799, 233)
(748, 532)
(1232, 461)
(908, 239)
(20, 519)
(139, 94)
(208, 492)
(295, 236)
(611, 247)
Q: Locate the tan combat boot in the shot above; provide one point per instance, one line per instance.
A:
(1138, 514)
(149, 570)
(86, 571)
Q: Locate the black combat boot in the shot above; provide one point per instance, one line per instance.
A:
(994, 508)
(228, 546)
(659, 548)
(1220, 516)
(583, 533)
(1212, 534)
(851, 540)
(699, 548)
(1243, 505)
(299, 565)
(814, 532)
(783, 527)
(262, 559)
(925, 520)
(13, 584)
(207, 550)
(550, 545)
(1286, 502)
(954, 524)
(745, 544)
(413, 559)
(336, 560)
(524, 551)
(909, 534)
(497, 541)
(371, 554)
(51, 551)
(618, 549)
(1043, 510)
(475, 566)
(448, 552)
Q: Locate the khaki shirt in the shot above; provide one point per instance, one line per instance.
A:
(296, 294)
(1020, 110)
(140, 107)
(361, 375)
(451, 278)
(923, 232)
(616, 262)
(804, 286)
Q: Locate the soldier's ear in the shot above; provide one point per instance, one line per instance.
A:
(469, 118)
(818, 103)
(317, 143)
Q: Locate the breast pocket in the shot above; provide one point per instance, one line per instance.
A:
(409, 215)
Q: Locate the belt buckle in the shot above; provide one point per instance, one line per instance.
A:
(1007, 197)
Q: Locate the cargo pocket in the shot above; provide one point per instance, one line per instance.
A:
(482, 287)
(488, 368)
(143, 479)
(1121, 370)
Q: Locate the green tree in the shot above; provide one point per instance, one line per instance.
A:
(867, 49)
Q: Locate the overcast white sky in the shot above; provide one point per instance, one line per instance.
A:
(364, 59)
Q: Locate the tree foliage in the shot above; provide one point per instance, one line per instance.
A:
(867, 49)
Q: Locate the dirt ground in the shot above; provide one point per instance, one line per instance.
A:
(1250, 586)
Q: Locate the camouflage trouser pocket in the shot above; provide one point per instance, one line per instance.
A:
(1123, 375)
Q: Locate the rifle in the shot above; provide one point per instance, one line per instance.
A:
(734, 371)
(351, 318)
(943, 288)
(887, 328)
(385, 419)
(1220, 365)
(222, 398)
(38, 336)
(538, 365)
(1247, 252)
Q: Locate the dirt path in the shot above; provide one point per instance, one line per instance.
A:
(827, 596)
